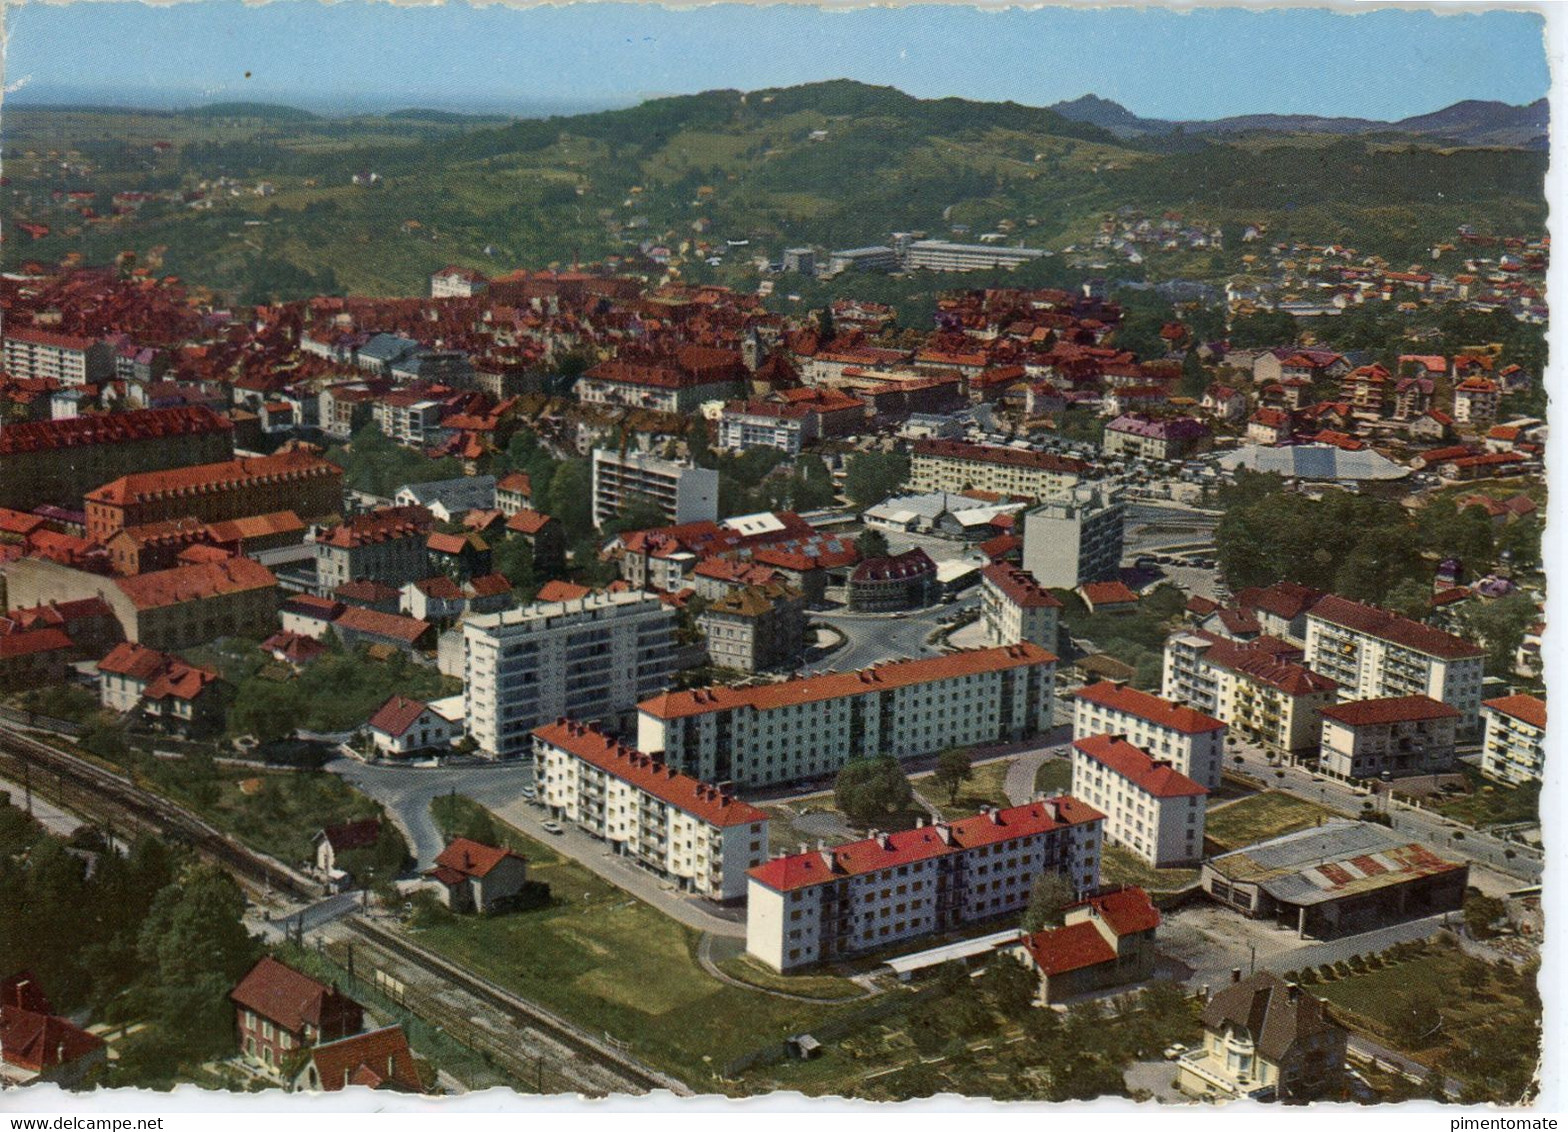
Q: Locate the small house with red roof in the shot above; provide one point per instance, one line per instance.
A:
(378, 1059)
(33, 658)
(279, 1012)
(545, 537)
(1108, 597)
(1105, 941)
(38, 1045)
(471, 877)
(345, 837)
(402, 726)
(161, 687)
(1150, 807)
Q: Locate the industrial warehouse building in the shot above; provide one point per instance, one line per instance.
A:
(1336, 879)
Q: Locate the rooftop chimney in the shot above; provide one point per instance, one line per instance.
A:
(1235, 974)
(1292, 992)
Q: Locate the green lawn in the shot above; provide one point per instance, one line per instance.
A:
(829, 988)
(1262, 816)
(1121, 866)
(984, 787)
(1055, 776)
(283, 812)
(613, 964)
(1491, 803)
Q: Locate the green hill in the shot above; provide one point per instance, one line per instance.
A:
(836, 164)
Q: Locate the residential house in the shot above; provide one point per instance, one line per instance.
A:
(471, 877)
(1015, 608)
(335, 840)
(514, 492)
(37, 1045)
(280, 1012)
(161, 687)
(385, 545)
(1387, 738)
(755, 628)
(1105, 942)
(1476, 400)
(1265, 1039)
(379, 1059)
(401, 727)
(1193, 741)
(545, 536)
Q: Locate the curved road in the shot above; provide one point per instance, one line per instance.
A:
(871, 638)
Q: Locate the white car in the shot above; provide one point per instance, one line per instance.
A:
(553, 828)
(1175, 1051)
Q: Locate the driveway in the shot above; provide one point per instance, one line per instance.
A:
(1019, 783)
(1155, 1078)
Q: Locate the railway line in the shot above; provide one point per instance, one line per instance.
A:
(533, 1044)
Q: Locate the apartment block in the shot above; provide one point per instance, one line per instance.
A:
(1250, 687)
(683, 492)
(1387, 738)
(406, 417)
(295, 480)
(1015, 608)
(957, 466)
(1075, 539)
(591, 659)
(832, 903)
(698, 835)
(754, 628)
(813, 725)
(33, 354)
(387, 545)
(1192, 741)
(1513, 749)
(943, 255)
(58, 462)
(762, 424)
(1373, 655)
(1150, 807)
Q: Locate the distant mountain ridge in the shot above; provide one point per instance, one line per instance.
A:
(1471, 122)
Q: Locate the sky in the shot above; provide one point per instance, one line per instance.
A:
(356, 55)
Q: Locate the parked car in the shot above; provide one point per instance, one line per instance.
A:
(553, 828)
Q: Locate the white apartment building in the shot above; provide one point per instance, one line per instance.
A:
(1015, 608)
(1150, 807)
(590, 659)
(831, 903)
(457, 283)
(813, 725)
(1513, 749)
(958, 466)
(1192, 741)
(1249, 687)
(1376, 655)
(761, 424)
(406, 418)
(383, 546)
(697, 835)
(941, 255)
(1076, 538)
(67, 358)
(1399, 737)
(683, 492)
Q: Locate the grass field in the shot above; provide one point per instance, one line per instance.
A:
(829, 988)
(1491, 803)
(1055, 776)
(983, 788)
(1260, 817)
(613, 964)
(1122, 866)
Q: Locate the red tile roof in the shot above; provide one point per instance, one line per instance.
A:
(472, 859)
(528, 522)
(1260, 661)
(1156, 777)
(1160, 712)
(284, 996)
(352, 835)
(814, 689)
(384, 525)
(36, 1041)
(1526, 709)
(1391, 627)
(380, 1059)
(518, 482)
(226, 475)
(1071, 948)
(648, 774)
(390, 625)
(397, 715)
(783, 874)
(1287, 600)
(557, 590)
(1107, 593)
(196, 582)
(1400, 709)
(490, 585)
(31, 642)
(1019, 587)
(1126, 910)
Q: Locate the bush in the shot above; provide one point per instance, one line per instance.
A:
(1308, 978)
(534, 894)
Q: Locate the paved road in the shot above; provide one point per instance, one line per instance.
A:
(1430, 828)
(407, 791)
(1366, 1047)
(1019, 783)
(309, 918)
(871, 638)
(50, 816)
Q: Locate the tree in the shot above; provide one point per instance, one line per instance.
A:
(871, 543)
(1194, 377)
(571, 498)
(869, 790)
(1481, 912)
(1263, 329)
(1009, 984)
(1501, 626)
(954, 767)
(870, 477)
(1048, 901)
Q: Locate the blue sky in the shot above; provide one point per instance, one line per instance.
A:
(1383, 64)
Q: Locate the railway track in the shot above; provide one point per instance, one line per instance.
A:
(585, 1063)
(632, 1073)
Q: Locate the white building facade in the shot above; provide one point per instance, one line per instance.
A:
(1514, 747)
(1075, 539)
(1150, 807)
(684, 493)
(591, 659)
(695, 834)
(1015, 608)
(812, 726)
(832, 903)
(1192, 741)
